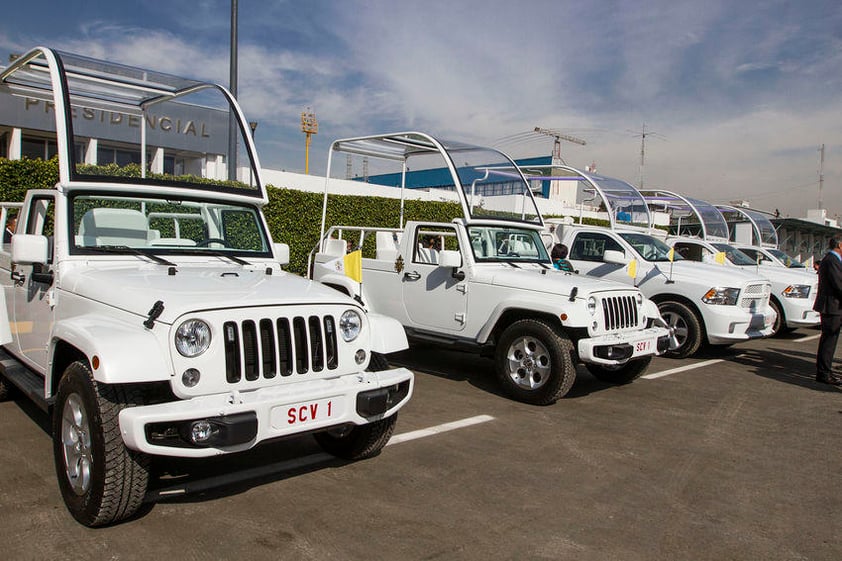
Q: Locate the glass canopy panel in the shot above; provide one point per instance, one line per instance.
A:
(117, 110)
(763, 232)
(689, 216)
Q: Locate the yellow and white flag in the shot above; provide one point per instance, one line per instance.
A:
(632, 270)
(671, 254)
(351, 265)
(719, 257)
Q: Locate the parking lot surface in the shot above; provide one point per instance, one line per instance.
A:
(732, 455)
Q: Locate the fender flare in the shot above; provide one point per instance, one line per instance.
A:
(387, 334)
(126, 353)
(538, 306)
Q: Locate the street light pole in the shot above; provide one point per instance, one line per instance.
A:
(232, 85)
(253, 127)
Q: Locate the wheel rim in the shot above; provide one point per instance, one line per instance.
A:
(679, 326)
(528, 362)
(76, 441)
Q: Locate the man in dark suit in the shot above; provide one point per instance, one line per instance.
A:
(829, 305)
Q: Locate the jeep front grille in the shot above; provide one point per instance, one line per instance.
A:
(279, 347)
(619, 312)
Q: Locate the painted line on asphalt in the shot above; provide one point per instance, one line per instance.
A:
(438, 429)
(300, 463)
(682, 369)
(808, 338)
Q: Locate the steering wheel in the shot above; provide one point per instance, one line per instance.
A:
(207, 241)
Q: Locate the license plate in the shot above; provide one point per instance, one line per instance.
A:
(647, 347)
(306, 413)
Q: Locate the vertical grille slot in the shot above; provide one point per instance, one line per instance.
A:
(300, 344)
(232, 352)
(284, 347)
(250, 350)
(267, 347)
(331, 343)
(619, 312)
(316, 343)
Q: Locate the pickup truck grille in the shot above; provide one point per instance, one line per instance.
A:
(619, 312)
(267, 348)
(755, 296)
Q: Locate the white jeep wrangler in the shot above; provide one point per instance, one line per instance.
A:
(152, 317)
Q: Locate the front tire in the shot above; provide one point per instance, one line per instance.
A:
(779, 327)
(620, 374)
(364, 441)
(5, 389)
(101, 481)
(534, 362)
(688, 329)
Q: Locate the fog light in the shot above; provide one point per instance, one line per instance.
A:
(190, 377)
(359, 356)
(201, 431)
(595, 326)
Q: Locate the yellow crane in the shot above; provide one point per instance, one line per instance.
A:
(309, 126)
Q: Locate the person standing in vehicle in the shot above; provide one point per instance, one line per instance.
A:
(829, 304)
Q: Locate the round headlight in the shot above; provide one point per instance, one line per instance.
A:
(192, 338)
(349, 325)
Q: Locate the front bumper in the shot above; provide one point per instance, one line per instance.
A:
(799, 312)
(619, 348)
(246, 418)
(731, 324)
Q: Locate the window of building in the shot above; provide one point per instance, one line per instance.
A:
(120, 156)
(33, 147)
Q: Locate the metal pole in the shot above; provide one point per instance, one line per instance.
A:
(232, 85)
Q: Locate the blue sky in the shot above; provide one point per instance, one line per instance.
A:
(738, 95)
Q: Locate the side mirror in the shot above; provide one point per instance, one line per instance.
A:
(450, 258)
(282, 253)
(29, 249)
(614, 256)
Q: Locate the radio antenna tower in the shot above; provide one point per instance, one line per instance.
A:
(309, 126)
(821, 174)
(643, 134)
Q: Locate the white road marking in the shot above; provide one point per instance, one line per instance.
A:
(808, 338)
(300, 463)
(682, 369)
(438, 429)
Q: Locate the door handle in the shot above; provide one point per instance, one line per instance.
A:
(414, 275)
(18, 278)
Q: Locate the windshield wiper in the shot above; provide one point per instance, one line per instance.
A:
(233, 258)
(131, 250)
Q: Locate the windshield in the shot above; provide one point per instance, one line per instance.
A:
(786, 259)
(500, 243)
(172, 226)
(734, 255)
(651, 249)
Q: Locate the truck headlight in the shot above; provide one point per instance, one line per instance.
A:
(350, 324)
(722, 296)
(797, 291)
(592, 305)
(192, 338)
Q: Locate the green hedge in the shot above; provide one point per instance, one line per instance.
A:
(294, 216)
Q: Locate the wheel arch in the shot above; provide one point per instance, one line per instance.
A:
(510, 315)
(663, 298)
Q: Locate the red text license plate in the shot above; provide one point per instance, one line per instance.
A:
(646, 347)
(306, 413)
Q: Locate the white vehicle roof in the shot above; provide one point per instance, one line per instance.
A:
(487, 181)
(689, 217)
(77, 86)
(624, 204)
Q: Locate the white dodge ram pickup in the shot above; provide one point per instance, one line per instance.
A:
(152, 316)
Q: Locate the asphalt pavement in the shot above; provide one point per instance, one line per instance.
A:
(734, 454)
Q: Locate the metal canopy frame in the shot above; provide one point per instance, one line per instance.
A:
(617, 195)
(68, 80)
(764, 230)
(714, 228)
(401, 146)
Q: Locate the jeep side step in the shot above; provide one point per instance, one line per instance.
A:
(24, 379)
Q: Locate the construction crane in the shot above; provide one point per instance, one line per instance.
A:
(309, 126)
(558, 136)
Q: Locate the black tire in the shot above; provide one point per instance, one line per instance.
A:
(364, 441)
(534, 362)
(5, 389)
(779, 327)
(360, 442)
(101, 481)
(688, 328)
(620, 374)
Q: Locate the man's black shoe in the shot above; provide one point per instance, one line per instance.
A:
(832, 380)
